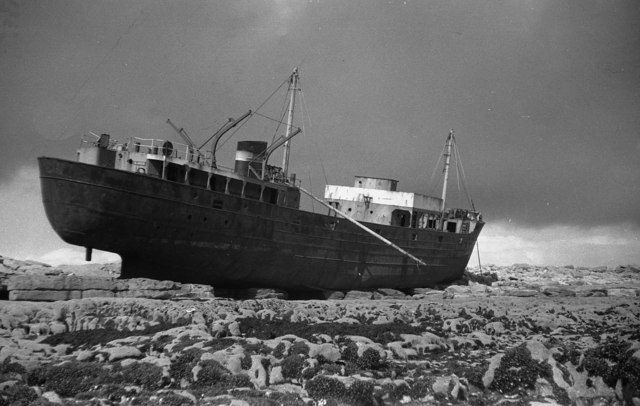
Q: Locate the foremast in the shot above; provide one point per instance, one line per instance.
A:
(293, 85)
(447, 162)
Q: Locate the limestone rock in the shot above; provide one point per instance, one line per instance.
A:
(62, 282)
(333, 295)
(391, 293)
(122, 352)
(44, 295)
(518, 292)
(622, 292)
(357, 295)
(328, 351)
(52, 397)
(558, 291)
(494, 363)
(97, 293)
(257, 372)
(495, 328)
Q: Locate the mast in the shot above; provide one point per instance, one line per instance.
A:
(293, 83)
(447, 159)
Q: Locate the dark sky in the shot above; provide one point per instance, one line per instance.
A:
(544, 96)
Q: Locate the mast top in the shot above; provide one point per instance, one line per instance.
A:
(447, 160)
(293, 84)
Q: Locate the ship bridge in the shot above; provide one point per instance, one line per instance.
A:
(377, 200)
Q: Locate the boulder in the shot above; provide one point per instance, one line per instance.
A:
(558, 291)
(518, 292)
(494, 363)
(495, 328)
(122, 352)
(391, 293)
(358, 295)
(97, 293)
(145, 293)
(333, 294)
(257, 372)
(622, 292)
(44, 295)
(52, 397)
(62, 282)
(328, 351)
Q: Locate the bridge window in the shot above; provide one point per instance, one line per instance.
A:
(217, 183)
(198, 178)
(175, 172)
(400, 218)
(252, 191)
(235, 187)
(270, 195)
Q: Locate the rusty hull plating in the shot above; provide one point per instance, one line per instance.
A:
(171, 230)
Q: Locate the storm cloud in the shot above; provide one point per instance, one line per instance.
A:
(543, 96)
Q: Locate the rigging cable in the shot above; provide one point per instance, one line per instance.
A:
(306, 110)
(464, 176)
(281, 121)
(435, 169)
(259, 107)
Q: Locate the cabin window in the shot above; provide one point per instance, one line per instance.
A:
(451, 226)
(431, 223)
(270, 195)
(217, 204)
(235, 187)
(175, 172)
(217, 183)
(154, 168)
(400, 218)
(252, 191)
(198, 178)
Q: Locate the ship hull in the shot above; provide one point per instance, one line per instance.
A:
(169, 230)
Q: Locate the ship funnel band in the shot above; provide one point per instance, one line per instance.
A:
(249, 158)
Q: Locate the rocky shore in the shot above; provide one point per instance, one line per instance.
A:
(521, 335)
